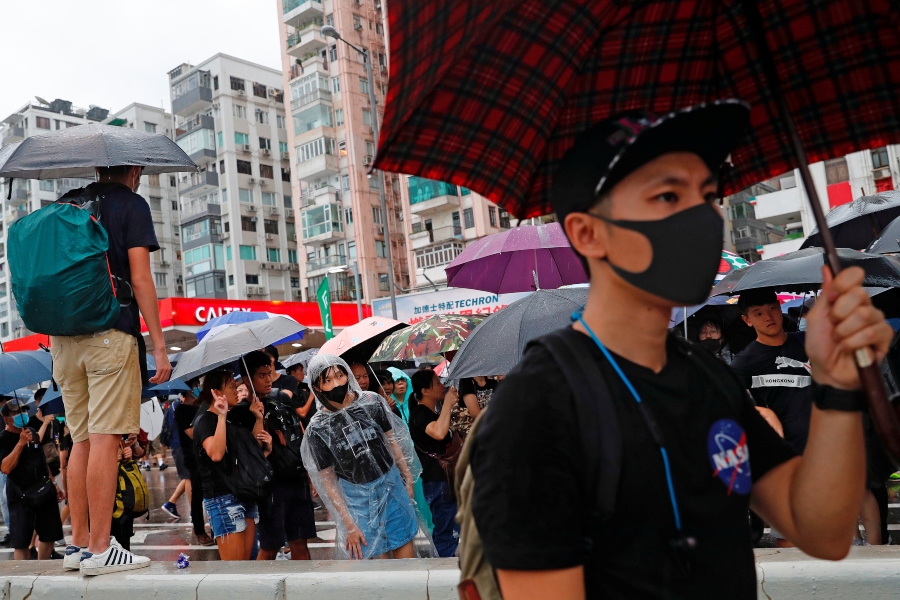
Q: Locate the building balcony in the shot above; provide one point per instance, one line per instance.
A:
(200, 212)
(775, 207)
(13, 134)
(322, 223)
(198, 184)
(19, 194)
(323, 95)
(198, 122)
(425, 237)
(427, 196)
(298, 12)
(307, 41)
(14, 215)
(323, 195)
(192, 101)
(313, 64)
(319, 167)
(203, 157)
(318, 266)
(779, 248)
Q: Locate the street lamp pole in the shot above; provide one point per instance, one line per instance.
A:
(330, 31)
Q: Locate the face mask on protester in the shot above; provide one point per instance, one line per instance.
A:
(196, 391)
(20, 421)
(687, 249)
(711, 344)
(337, 393)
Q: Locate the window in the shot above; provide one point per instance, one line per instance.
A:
(469, 218)
(160, 279)
(434, 256)
(265, 143)
(47, 185)
(269, 199)
(879, 158)
(270, 226)
(155, 202)
(172, 181)
(357, 22)
(259, 90)
(237, 84)
(376, 214)
(336, 84)
(363, 85)
(383, 283)
(379, 30)
(150, 128)
(380, 249)
(241, 139)
(351, 250)
(288, 202)
(370, 148)
(239, 111)
(329, 19)
(274, 254)
(248, 223)
(743, 210)
(245, 195)
(285, 174)
(215, 82)
(492, 215)
(43, 122)
(339, 116)
(295, 282)
(367, 117)
(198, 141)
(247, 252)
(282, 147)
(266, 171)
(836, 170)
(345, 182)
(282, 122)
(348, 215)
(318, 115)
(224, 196)
(244, 167)
(252, 279)
(262, 117)
(315, 148)
(228, 252)
(292, 258)
(222, 168)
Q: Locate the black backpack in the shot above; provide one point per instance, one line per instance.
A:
(283, 424)
(245, 469)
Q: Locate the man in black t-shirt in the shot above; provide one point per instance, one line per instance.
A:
(636, 196)
(285, 383)
(22, 461)
(775, 367)
(185, 412)
(431, 435)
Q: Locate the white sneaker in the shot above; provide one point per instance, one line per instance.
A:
(114, 559)
(72, 558)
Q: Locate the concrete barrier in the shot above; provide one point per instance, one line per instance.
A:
(872, 573)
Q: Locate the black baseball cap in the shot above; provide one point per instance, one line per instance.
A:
(609, 151)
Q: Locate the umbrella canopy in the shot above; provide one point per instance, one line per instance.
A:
(20, 369)
(75, 151)
(173, 385)
(51, 403)
(730, 262)
(491, 95)
(6, 151)
(519, 260)
(240, 316)
(227, 344)
(497, 344)
(359, 341)
(721, 307)
(889, 240)
(301, 357)
(435, 335)
(801, 271)
(24, 397)
(859, 223)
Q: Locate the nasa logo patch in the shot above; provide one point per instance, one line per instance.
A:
(729, 455)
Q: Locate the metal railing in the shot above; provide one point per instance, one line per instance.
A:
(326, 262)
(310, 98)
(290, 5)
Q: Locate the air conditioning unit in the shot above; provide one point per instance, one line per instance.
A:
(289, 212)
(241, 93)
(263, 265)
(251, 181)
(263, 182)
(252, 207)
(881, 173)
(245, 147)
(367, 160)
(215, 105)
(270, 236)
(266, 151)
(295, 237)
(285, 156)
(273, 210)
(225, 235)
(272, 91)
(179, 288)
(251, 290)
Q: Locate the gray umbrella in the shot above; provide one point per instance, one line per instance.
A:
(497, 343)
(6, 151)
(226, 343)
(889, 240)
(300, 357)
(75, 151)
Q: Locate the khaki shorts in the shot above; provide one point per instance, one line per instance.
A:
(99, 376)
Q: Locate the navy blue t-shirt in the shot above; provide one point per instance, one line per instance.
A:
(127, 220)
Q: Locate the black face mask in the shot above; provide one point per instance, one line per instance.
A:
(687, 250)
(711, 344)
(333, 397)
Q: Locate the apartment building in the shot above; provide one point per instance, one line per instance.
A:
(28, 195)
(161, 193)
(238, 231)
(341, 223)
(443, 219)
(773, 217)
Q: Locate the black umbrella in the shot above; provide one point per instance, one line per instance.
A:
(75, 151)
(856, 224)
(801, 271)
(496, 345)
(889, 240)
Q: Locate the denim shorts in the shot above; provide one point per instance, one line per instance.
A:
(227, 514)
(383, 512)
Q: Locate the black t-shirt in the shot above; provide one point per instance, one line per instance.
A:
(287, 383)
(353, 443)
(31, 468)
(205, 426)
(184, 417)
(301, 396)
(483, 393)
(779, 378)
(275, 424)
(419, 418)
(530, 502)
(129, 224)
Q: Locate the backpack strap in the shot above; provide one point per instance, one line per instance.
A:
(598, 425)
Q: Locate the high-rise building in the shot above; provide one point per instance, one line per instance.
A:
(161, 193)
(28, 195)
(238, 231)
(341, 223)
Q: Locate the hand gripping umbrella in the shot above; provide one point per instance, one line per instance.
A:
(821, 76)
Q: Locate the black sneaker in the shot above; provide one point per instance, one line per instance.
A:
(54, 555)
(163, 466)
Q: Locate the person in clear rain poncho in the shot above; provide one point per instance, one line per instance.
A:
(362, 463)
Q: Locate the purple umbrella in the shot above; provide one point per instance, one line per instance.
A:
(519, 260)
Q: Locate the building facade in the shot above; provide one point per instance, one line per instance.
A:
(341, 226)
(28, 195)
(238, 231)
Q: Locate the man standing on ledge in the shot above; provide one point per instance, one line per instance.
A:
(637, 196)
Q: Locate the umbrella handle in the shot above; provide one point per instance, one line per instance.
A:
(884, 417)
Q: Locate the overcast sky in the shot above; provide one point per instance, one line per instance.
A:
(115, 52)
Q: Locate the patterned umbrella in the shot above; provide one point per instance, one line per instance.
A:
(434, 335)
(730, 262)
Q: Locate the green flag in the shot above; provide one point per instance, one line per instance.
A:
(324, 298)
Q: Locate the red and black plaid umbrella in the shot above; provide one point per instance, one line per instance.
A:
(490, 95)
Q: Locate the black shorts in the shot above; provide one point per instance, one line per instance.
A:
(180, 466)
(289, 516)
(25, 520)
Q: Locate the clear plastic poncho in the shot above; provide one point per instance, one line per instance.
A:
(362, 462)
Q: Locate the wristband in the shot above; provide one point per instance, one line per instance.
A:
(826, 397)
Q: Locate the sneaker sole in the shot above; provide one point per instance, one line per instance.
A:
(170, 513)
(112, 568)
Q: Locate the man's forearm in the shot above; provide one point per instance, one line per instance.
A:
(145, 295)
(12, 461)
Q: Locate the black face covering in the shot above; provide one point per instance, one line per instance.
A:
(711, 344)
(687, 250)
(333, 398)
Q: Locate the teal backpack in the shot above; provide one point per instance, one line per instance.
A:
(59, 270)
